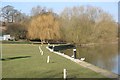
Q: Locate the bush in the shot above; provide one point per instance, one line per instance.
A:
(16, 30)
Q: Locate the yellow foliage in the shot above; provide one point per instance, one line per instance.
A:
(44, 26)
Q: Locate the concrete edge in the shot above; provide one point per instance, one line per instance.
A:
(103, 72)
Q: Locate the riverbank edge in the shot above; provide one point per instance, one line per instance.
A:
(94, 68)
(93, 44)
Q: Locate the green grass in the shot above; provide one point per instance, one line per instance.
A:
(16, 65)
(15, 42)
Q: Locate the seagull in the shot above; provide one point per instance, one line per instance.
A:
(48, 44)
(72, 56)
(82, 59)
(53, 45)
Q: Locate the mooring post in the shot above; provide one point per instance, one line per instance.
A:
(64, 74)
(74, 53)
(41, 52)
(48, 59)
(39, 49)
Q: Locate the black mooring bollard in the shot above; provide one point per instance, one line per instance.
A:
(74, 53)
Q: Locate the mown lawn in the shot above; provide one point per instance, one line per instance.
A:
(25, 61)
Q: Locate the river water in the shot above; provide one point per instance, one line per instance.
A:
(104, 56)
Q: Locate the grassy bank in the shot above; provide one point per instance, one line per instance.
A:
(15, 42)
(25, 61)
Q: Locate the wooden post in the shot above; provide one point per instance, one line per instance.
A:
(41, 52)
(74, 53)
(64, 73)
(39, 49)
(48, 59)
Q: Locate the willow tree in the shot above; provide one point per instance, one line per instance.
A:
(87, 24)
(44, 26)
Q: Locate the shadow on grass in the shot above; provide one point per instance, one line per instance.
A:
(13, 58)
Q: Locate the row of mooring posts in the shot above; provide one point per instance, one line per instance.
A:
(64, 70)
(48, 61)
(41, 51)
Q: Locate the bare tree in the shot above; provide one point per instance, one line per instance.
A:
(40, 10)
(87, 24)
(10, 14)
(17, 30)
(36, 10)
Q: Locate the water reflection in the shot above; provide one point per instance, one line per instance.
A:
(104, 56)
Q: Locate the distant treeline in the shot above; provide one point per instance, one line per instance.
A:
(79, 24)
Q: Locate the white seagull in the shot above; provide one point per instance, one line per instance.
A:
(72, 56)
(82, 59)
(48, 44)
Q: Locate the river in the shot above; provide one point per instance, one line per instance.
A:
(104, 56)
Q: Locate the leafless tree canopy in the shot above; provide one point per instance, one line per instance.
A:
(78, 24)
(87, 24)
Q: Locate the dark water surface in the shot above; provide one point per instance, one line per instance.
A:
(104, 56)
